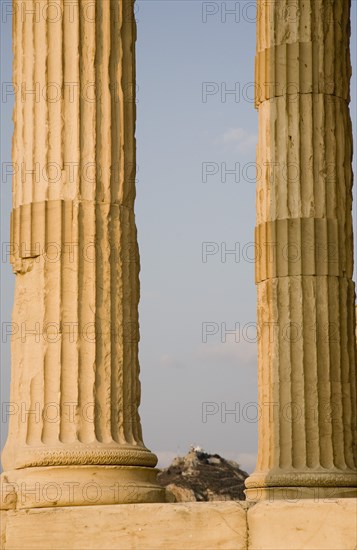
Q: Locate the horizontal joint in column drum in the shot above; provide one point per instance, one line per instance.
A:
(296, 68)
(299, 246)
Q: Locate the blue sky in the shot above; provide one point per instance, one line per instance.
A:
(191, 211)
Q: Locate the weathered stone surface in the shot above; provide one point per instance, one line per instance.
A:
(194, 526)
(71, 485)
(176, 493)
(302, 525)
(3, 518)
(306, 524)
(75, 389)
(304, 236)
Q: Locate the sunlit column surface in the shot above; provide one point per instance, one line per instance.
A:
(75, 388)
(306, 296)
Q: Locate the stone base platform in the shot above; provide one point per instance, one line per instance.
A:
(303, 525)
(310, 525)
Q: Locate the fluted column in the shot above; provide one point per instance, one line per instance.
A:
(304, 237)
(75, 388)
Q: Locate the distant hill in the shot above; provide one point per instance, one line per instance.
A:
(200, 476)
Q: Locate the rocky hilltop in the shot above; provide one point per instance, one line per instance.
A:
(200, 476)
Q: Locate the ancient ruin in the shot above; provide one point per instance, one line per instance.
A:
(77, 473)
(306, 296)
(75, 369)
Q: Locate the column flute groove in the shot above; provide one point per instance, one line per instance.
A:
(304, 236)
(75, 388)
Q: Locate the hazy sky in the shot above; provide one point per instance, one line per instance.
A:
(190, 213)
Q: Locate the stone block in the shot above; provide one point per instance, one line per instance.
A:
(194, 526)
(303, 525)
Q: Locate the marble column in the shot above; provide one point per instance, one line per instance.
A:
(75, 390)
(304, 242)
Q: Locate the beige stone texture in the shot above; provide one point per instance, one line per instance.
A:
(3, 518)
(306, 524)
(78, 485)
(206, 526)
(174, 493)
(75, 389)
(75, 438)
(280, 525)
(306, 296)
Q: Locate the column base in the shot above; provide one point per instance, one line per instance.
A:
(296, 485)
(59, 486)
(294, 494)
